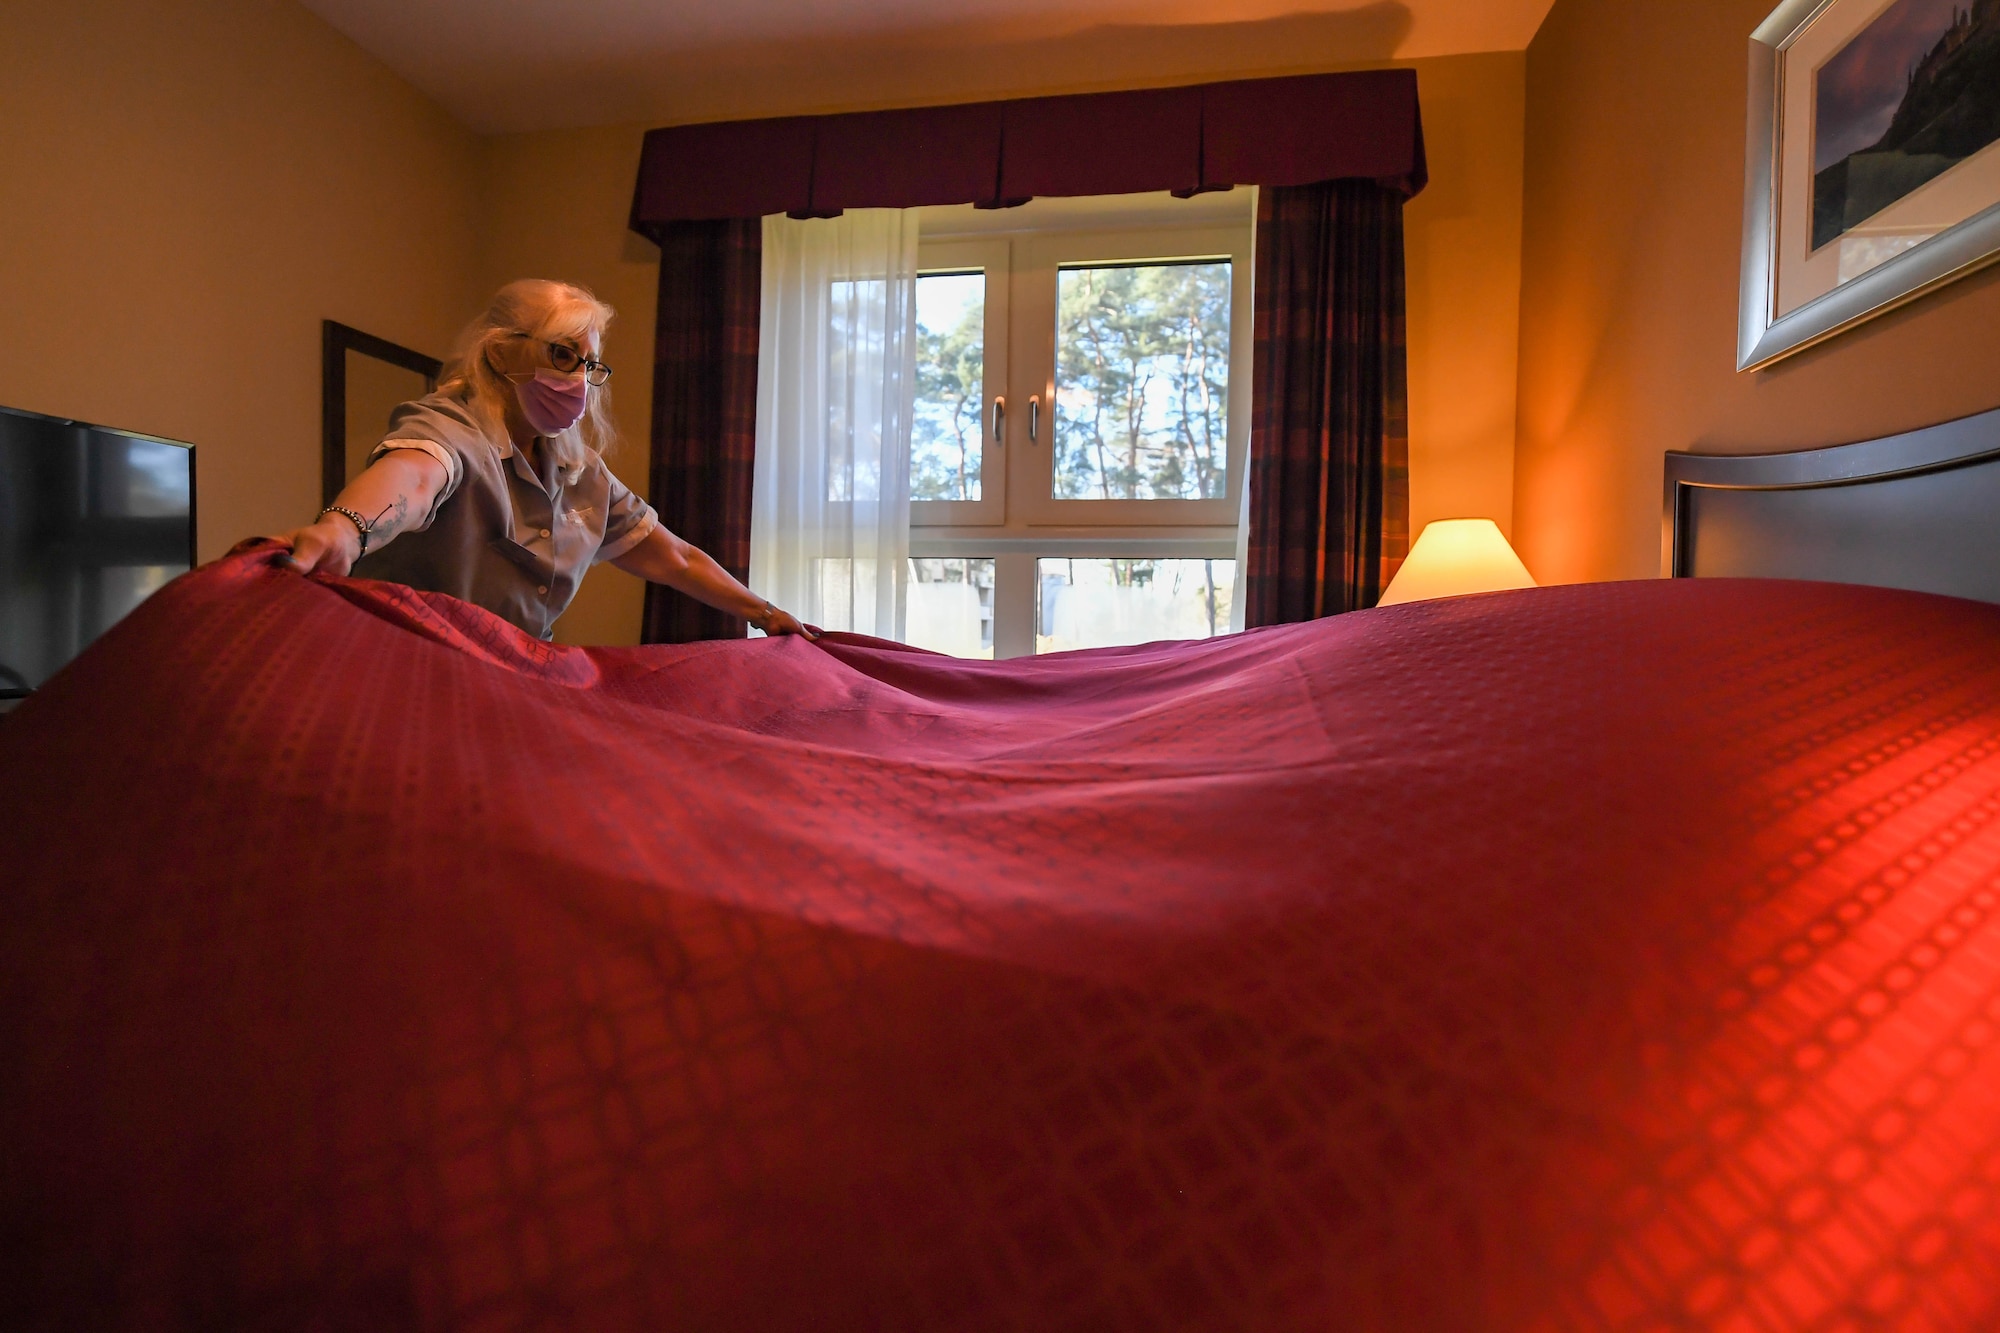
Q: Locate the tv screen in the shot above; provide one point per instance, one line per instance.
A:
(92, 520)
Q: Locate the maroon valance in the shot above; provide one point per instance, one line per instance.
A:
(1290, 131)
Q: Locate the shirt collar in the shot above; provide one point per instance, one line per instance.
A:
(512, 457)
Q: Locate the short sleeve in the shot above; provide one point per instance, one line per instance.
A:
(628, 520)
(441, 428)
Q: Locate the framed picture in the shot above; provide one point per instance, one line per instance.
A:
(362, 380)
(1874, 163)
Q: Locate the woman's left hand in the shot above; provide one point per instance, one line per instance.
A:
(661, 557)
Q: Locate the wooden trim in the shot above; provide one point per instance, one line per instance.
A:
(336, 341)
(1938, 448)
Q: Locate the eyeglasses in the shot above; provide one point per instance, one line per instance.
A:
(568, 360)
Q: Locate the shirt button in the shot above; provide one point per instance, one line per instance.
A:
(545, 532)
(542, 591)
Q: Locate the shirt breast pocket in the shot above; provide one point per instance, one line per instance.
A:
(522, 558)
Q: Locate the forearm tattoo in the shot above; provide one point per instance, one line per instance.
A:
(385, 525)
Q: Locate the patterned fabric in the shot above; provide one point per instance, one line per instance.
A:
(1611, 957)
(705, 410)
(1329, 433)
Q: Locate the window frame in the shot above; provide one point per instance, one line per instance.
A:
(991, 256)
(1038, 263)
(1031, 523)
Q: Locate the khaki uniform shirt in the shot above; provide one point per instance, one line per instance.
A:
(502, 534)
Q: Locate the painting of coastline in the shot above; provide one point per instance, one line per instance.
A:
(1914, 94)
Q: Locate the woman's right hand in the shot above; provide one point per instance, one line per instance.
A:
(329, 546)
(775, 622)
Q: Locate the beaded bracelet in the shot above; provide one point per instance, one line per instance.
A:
(361, 525)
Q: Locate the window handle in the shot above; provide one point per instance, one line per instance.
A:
(1034, 417)
(999, 421)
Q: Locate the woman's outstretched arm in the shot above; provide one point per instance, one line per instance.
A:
(664, 558)
(394, 494)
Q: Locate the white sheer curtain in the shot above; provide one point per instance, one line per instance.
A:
(836, 373)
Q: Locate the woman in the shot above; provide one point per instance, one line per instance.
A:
(494, 489)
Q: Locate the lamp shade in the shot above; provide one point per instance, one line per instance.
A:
(1455, 556)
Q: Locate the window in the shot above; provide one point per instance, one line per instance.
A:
(1142, 382)
(1104, 603)
(950, 606)
(947, 444)
(955, 477)
(1080, 429)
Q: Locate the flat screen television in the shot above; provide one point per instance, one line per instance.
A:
(92, 520)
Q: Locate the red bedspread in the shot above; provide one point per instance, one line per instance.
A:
(1608, 957)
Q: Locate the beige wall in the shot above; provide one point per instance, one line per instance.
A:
(1634, 220)
(185, 192)
(1464, 257)
(555, 207)
(823, 57)
(189, 191)
(557, 203)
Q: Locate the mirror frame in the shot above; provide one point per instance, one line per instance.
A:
(336, 341)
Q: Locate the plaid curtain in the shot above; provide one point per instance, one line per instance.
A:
(705, 409)
(1329, 434)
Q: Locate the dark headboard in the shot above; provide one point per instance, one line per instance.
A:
(1919, 511)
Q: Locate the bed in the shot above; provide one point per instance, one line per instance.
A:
(1619, 956)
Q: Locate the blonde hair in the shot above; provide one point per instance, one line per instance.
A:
(547, 312)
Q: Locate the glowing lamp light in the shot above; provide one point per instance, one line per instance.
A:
(1454, 556)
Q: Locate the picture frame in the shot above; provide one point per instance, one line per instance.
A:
(1870, 177)
(362, 379)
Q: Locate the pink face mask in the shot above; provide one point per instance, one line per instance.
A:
(552, 402)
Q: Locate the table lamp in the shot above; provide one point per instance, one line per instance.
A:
(1454, 556)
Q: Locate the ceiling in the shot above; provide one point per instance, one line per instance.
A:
(518, 65)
